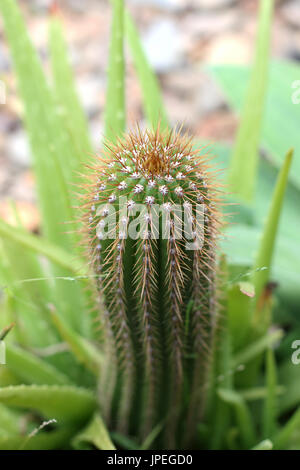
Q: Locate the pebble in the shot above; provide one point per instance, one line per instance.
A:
(162, 45)
(290, 11)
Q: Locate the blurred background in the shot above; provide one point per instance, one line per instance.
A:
(181, 38)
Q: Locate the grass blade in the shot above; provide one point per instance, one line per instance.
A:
(115, 95)
(153, 102)
(95, 434)
(256, 348)
(243, 415)
(270, 404)
(32, 370)
(283, 437)
(82, 349)
(244, 158)
(266, 248)
(40, 245)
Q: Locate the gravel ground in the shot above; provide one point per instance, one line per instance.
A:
(181, 39)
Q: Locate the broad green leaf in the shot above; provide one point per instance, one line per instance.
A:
(241, 244)
(243, 169)
(84, 351)
(267, 244)
(63, 403)
(115, 95)
(243, 416)
(31, 369)
(280, 126)
(94, 434)
(65, 91)
(152, 99)
(270, 404)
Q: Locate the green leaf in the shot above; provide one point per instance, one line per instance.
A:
(95, 434)
(240, 311)
(63, 403)
(266, 248)
(9, 421)
(243, 167)
(55, 157)
(264, 445)
(243, 415)
(65, 91)
(32, 370)
(280, 126)
(40, 245)
(115, 95)
(270, 404)
(153, 102)
(50, 440)
(255, 348)
(284, 435)
(45, 128)
(290, 377)
(84, 351)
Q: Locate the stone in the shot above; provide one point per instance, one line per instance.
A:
(290, 11)
(17, 149)
(162, 44)
(231, 48)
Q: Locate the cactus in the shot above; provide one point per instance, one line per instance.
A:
(156, 277)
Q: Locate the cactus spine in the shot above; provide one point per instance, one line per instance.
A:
(159, 294)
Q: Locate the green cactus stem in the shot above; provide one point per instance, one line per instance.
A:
(156, 277)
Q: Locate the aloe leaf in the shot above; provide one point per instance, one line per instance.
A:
(42, 246)
(45, 128)
(63, 403)
(84, 351)
(270, 404)
(115, 95)
(243, 415)
(55, 157)
(50, 440)
(94, 434)
(256, 348)
(153, 102)
(243, 169)
(266, 248)
(9, 421)
(32, 370)
(65, 90)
